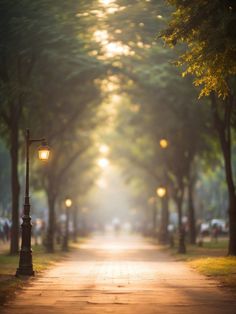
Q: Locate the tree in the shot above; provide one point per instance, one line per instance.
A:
(162, 101)
(32, 32)
(72, 98)
(207, 29)
(4, 180)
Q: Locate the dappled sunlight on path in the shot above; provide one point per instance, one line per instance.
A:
(121, 275)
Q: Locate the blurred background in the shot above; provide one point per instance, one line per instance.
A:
(131, 143)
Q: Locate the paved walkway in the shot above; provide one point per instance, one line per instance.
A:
(121, 275)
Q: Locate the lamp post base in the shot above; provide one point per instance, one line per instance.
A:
(25, 262)
(25, 271)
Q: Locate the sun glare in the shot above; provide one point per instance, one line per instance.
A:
(103, 163)
(101, 183)
(106, 2)
(101, 36)
(116, 48)
(104, 149)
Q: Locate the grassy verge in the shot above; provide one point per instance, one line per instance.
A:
(8, 264)
(221, 268)
(211, 260)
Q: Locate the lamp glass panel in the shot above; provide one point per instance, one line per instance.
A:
(68, 202)
(164, 143)
(161, 192)
(43, 153)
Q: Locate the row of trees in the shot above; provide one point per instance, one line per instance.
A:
(53, 61)
(209, 55)
(47, 84)
(161, 104)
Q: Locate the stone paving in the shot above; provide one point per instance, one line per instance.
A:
(125, 275)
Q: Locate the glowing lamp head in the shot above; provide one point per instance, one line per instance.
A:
(161, 192)
(43, 151)
(164, 143)
(68, 202)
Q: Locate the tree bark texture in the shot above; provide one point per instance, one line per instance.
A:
(75, 221)
(181, 229)
(191, 212)
(15, 186)
(223, 127)
(164, 220)
(51, 223)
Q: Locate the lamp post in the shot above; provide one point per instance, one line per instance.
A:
(162, 194)
(152, 202)
(181, 249)
(68, 203)
(25, 263)
(164, 145)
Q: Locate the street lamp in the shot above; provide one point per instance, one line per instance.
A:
(161, 191)
(152, 202)
(68, 204)
(162, 194)
(43, 151)
(164, 143)
(25, 263)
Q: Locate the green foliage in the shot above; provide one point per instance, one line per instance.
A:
(207, 27)
(160, 103)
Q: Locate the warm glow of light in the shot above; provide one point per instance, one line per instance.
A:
(110, 85)
(112, 10)
(101, 36)
(101, 183)
(104, 149)
(68, 202)
(113, 247)
(106, 2)
(110, 48)
(103, 163)
(161, 192)
(164, 143)
(43, 152)
(116, 48)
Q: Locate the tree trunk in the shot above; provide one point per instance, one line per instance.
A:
(232, 199)
(51, 222)
(223, 126)
(232, 226)
(75, 227)
(154, 220)
(164, 220)
(15, 186)
(191, 212)
(181, 229)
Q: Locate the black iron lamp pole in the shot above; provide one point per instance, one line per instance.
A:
(25, 263)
